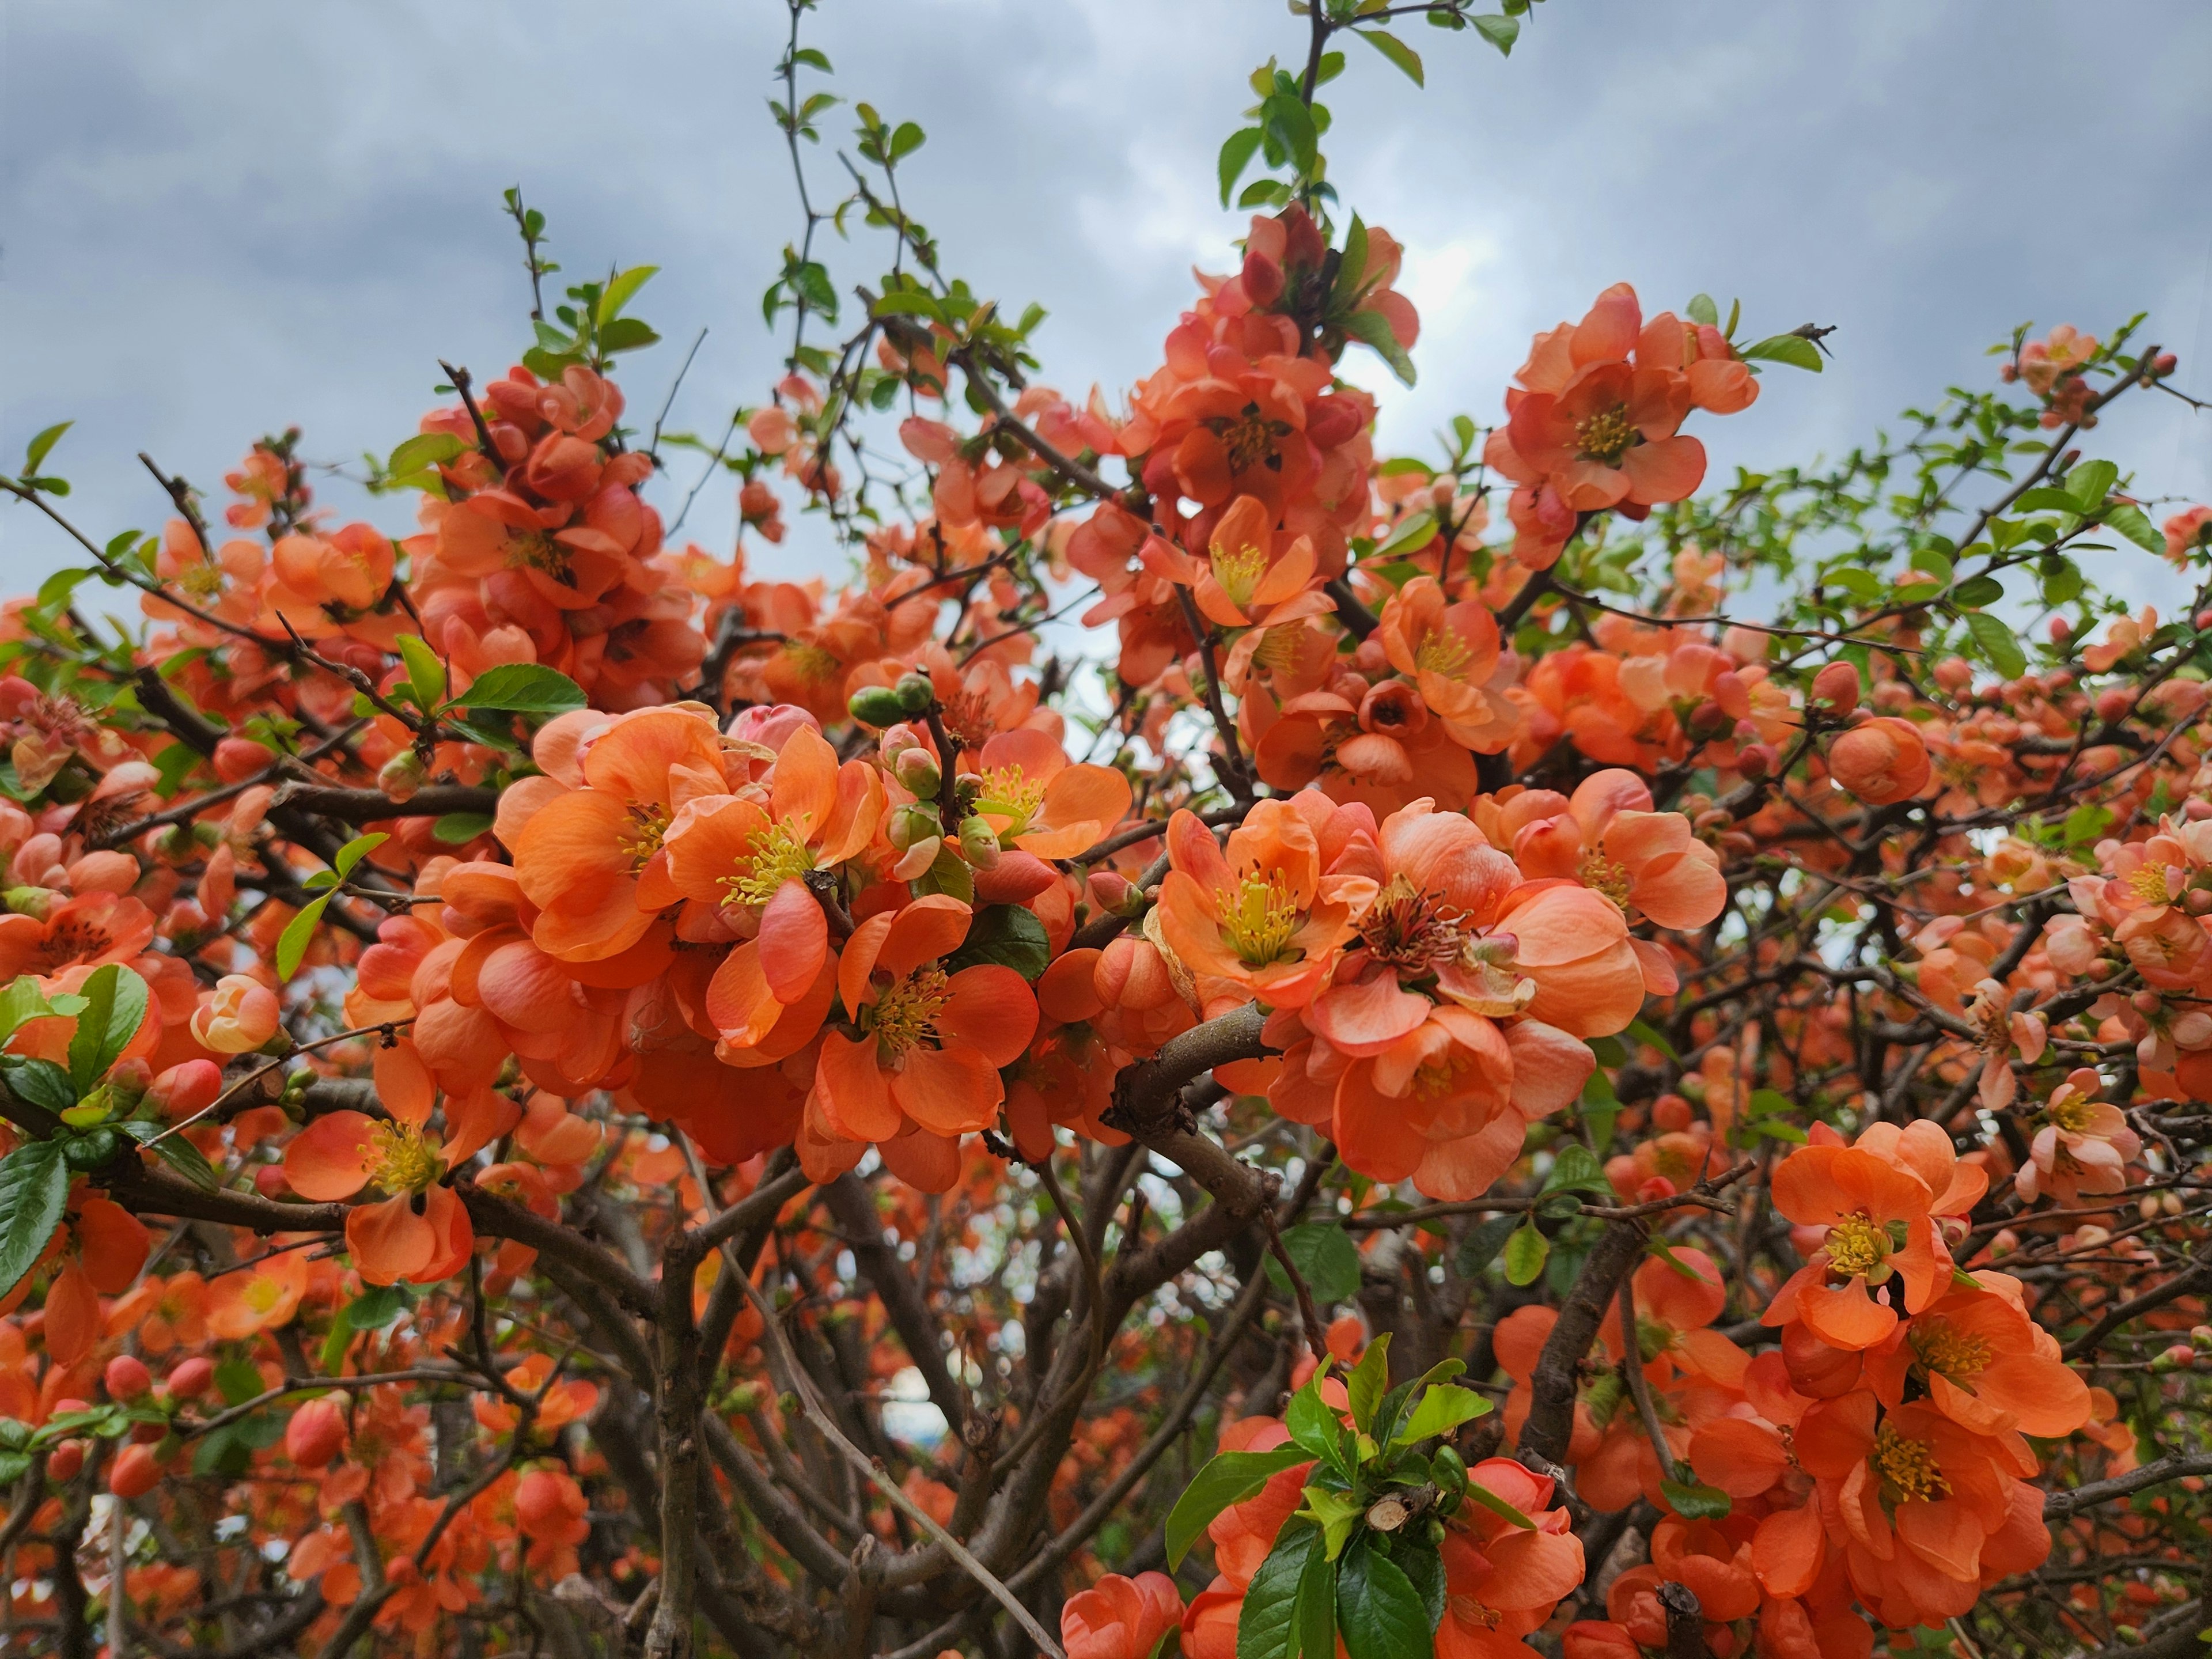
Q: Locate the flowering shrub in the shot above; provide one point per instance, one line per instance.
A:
(1227, 1035)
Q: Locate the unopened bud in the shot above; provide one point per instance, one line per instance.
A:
(1113, 891)
(910, 824)
(127, 1377)
(32, 902)
(979, 843)
(191, 1378)
(1838, 685)
(916, 769)
(401, 775)
(916, 693)
(877, 705)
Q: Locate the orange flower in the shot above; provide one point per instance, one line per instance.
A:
(1611, 841)
(237, 1016)
(1039, 803)
(1986, 1365)
(1877, 1228)
(592, 859)
(1574, 943)
(1262, 917)
(257, 1296)
(1884, 760)
(1501, 1579)
(930, 1044)
(1120, 1618)
(1451, 651)
(420, 1232)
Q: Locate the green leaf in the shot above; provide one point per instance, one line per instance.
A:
(292, 942)
(179, 1154)
(1228, 1478)
(1998, 643)
(38, 1081)
(1793, 349)
(1425, 1570)
(620, 291)
(1351, 269)
(1497, 1505)
(57, 588)
(1665, 1252)
(1701, 309)
(424, 671)
(1236, 151)
(1370, 1377)
(1443, 1409)
(1314, 1426)
(1576, 1168)
(422, 451)
(1415, 531)
(1399, 53)
(1371, 329)
(456, 828)
(25, 999)
(1525, 1253)
(1694, 1500)
(522, 688)
(1326, 1259)
(1313, 1626)
(1379, 1609)
(356, 850)
(1266, 1627)
(238, 1381)
(908, 302)
(909, 138)
(1481, 1245)
(626, 334)
(2088, 484)
(115, 1007)
(1009, 935)
(2129, 520)
(1977, 592)
(1500, 32)
(1286, 119)
(34, 1185)
(42, 446)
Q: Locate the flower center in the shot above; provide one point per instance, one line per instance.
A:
(774, 854)
(906, 1013)
(1856, 1246)
(1239, 573)
(533, 549)
(1604, 875)
(1261, 916)
(2071, 1112)
(1250, 439)
(640, 839)
(401, 1160)
(812, 664)
(1406, 929)
(1606, 435)
(1944, 1348)
(1008, 789)
(2149, 884)
(1469, 1611)
(203, 580)
(1441, 651)
(1907, 1467)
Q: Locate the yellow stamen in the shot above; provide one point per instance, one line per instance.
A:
(1239, 573)
(1856, 1245)
(648, 823)
(1259, 918)
(1441, 651)
(813, 664)
(1908, 1467)
(1943, 1348)
(2149, 884)
(906, 1013)
(2071, 1113)
(1604, 875)
(775, 854)
(404, 1162)
(533, 549)
(1009, 788)
(1605, 437)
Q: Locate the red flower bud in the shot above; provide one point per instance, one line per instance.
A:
(237, 759)
(65, 1459)
(135, 1472)
(127, 1377)
(316, 1434)
(1838, 685)
(191, 1378)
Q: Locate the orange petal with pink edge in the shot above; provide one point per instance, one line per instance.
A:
(857, 816)
(1194, 853)
(329, 1159)
(926, 1162)
(855, 1095)
(1367, 1016)
(992, 1008)
(795, 941)
(948, 1091)
(521, 986)
(389, 1241)
(931, 926)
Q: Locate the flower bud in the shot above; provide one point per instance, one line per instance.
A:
(1670, 1113)
(910, 824)
(876, 705)
(917, 771)
(189, 1086)
(32, 902)
(979, 843)
(127, 1377)
(1838, 685)
(134, 1473)
(1756, 760)
(401, 775)
(191, 1378)
(316, 1434)
(1111, 890)
(916, 693)
(917, 860)
(1881, 761)
(237, 1016)
(65, 1459)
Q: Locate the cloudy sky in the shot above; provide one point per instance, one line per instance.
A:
(220, 218)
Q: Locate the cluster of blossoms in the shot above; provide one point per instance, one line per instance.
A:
(685, 906)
